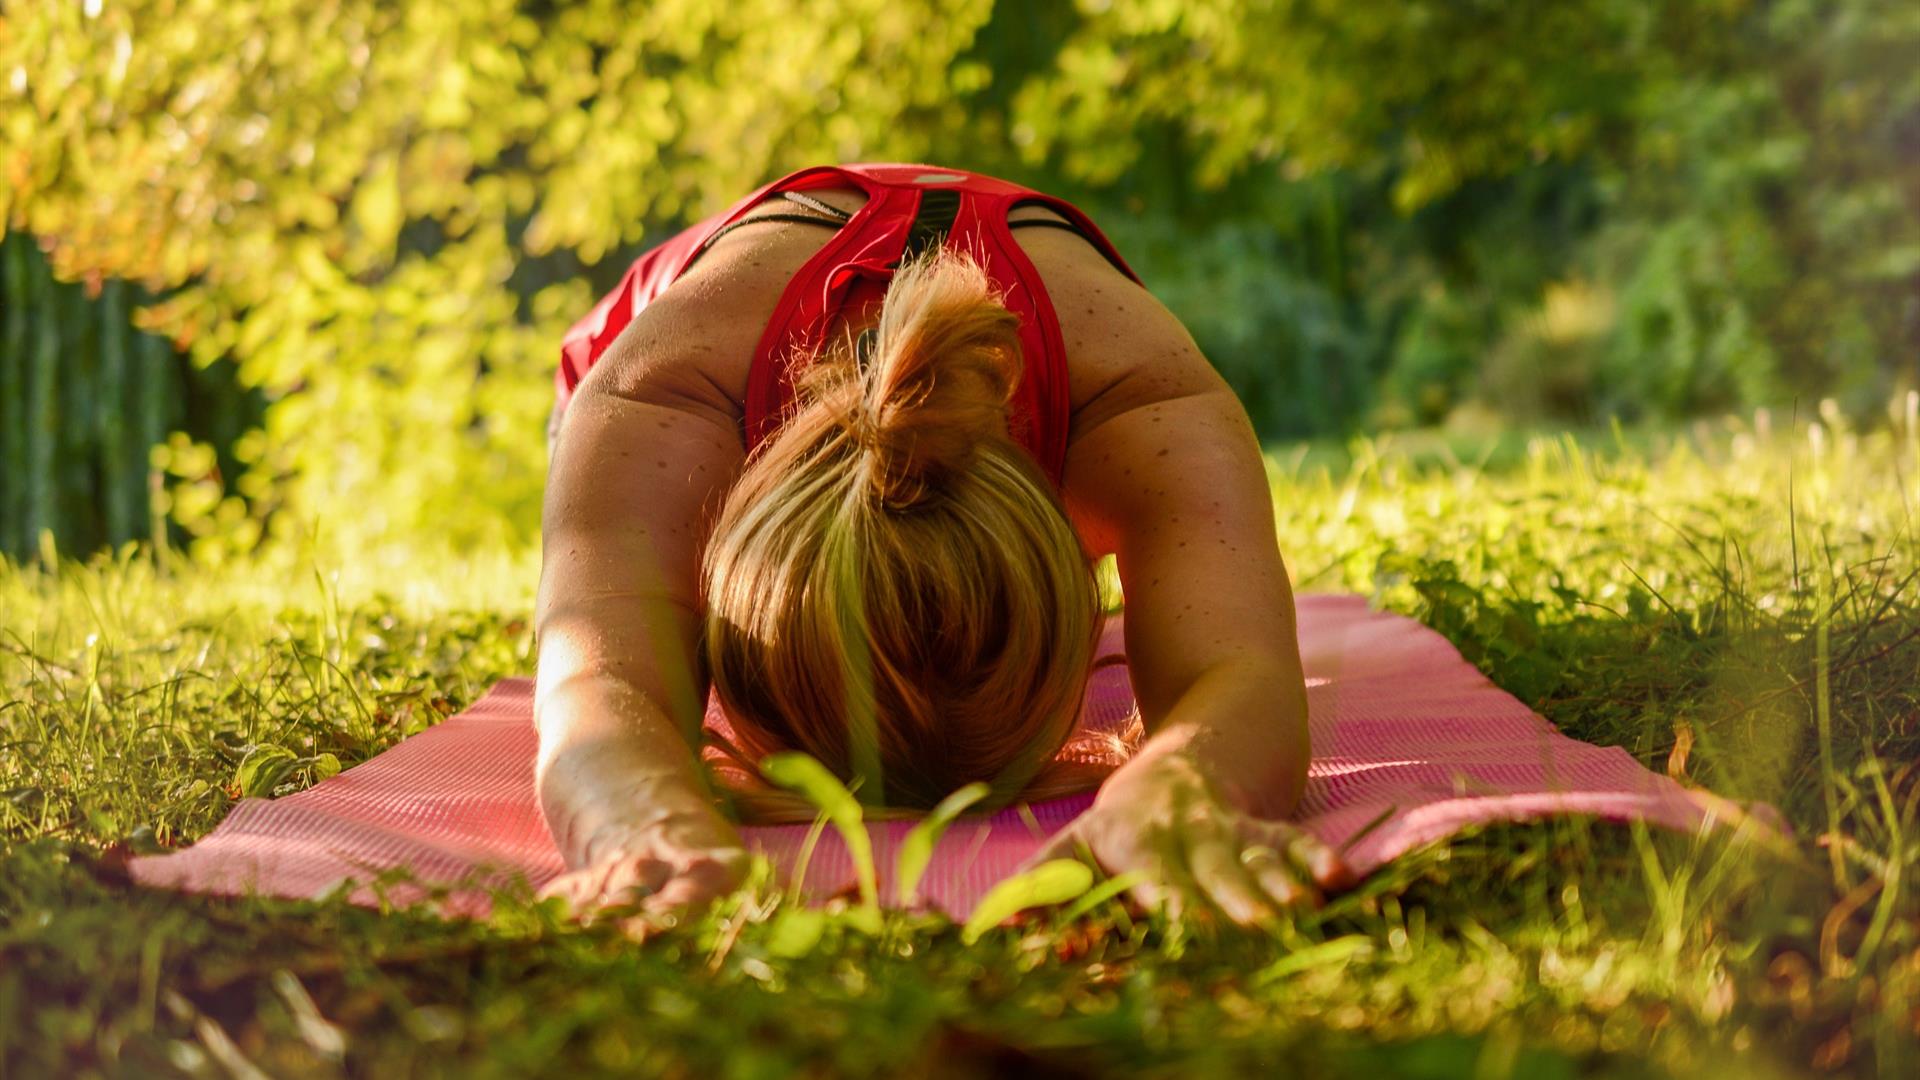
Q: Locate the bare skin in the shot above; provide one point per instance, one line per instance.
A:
(1162, 469)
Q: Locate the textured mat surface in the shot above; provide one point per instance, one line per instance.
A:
(1402, 727)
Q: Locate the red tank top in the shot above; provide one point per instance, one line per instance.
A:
(907, 206)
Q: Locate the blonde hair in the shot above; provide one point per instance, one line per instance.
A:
(892, 585)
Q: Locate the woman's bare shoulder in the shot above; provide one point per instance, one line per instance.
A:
(698, 337)
(1125, 350)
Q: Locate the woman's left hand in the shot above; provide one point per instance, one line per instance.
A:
(1162, 819)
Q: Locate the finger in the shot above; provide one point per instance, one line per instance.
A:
(727, 867)
(1150, 895)
(579, 888)
(1169, 883)
(1152, 858)
(1322, 865)
(717, 875)
(734, 859)
(642, 926)
(631, 880)
(615, 883)
(1284, 883)
(560, 885)
(701, 881)
(1282, 860)
(1214, 862)
(684, 893)
(569, 887)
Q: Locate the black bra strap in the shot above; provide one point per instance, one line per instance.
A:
(1075, 230)
(1050, 224)
(835, 217)
(797, 219)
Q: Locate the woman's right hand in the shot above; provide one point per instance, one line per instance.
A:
(678, 852)
(1162, 819)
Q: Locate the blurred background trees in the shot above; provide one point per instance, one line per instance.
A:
(364, 225)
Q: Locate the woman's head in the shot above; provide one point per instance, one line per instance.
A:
(892, 586)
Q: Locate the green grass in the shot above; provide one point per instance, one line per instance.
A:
(1659, 592)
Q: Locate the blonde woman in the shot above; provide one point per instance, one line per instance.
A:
(846, 454)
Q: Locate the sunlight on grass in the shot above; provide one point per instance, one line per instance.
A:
(1734, 604)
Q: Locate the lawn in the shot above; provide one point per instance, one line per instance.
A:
(1734, 603)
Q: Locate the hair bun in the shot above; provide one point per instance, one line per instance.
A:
(941, 369)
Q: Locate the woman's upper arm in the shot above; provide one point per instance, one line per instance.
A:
(643, 459)
(1173, 483)
(645, 454)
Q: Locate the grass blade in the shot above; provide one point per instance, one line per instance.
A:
(802, 774)
(916, 851)
(1053, 882)
(1102, 893)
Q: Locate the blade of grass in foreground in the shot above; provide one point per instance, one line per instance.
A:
(800, 773)
(916, 851)
(1053, 882)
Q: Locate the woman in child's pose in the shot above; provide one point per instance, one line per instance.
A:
(848, 453)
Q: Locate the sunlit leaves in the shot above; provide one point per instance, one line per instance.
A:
(345, 188)
(795, 932)
(1108, 890)
(1449, 90)
(386, 214)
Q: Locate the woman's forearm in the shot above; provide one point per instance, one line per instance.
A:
(611, 761)
(1243, 726)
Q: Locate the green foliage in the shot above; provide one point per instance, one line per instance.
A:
(1438, 91)
(1769, 241)
(1106, 891)
(261, 770)
(87, 403)
(1268, 299)
(1372, 214)
(355, 200)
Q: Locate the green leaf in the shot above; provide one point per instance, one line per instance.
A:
(865, 918)
(805, 858)
(1053, 882)
(795, 932)
(1102, 893)
(916, 851)
(325, 767)
(800, 773)
(1338, 951)
(262, 769)
(376, 206)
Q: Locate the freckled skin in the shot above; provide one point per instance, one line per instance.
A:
(1160, 454)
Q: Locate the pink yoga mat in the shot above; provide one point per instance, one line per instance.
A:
(1402, 727)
